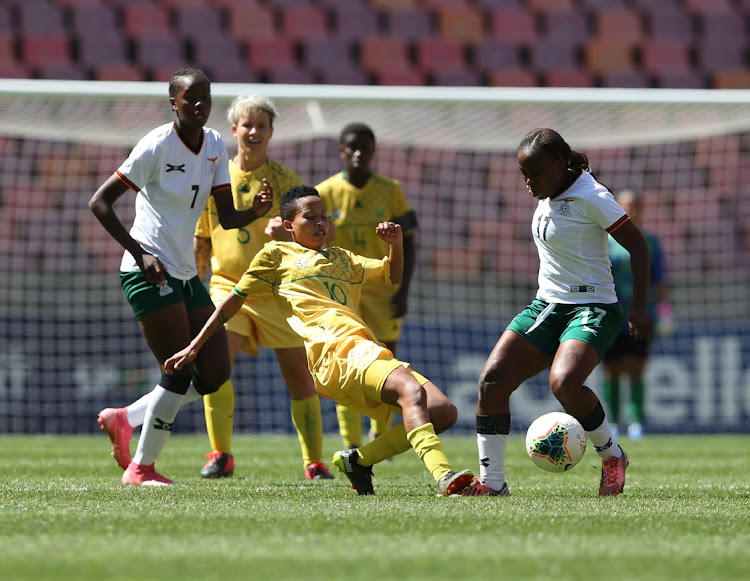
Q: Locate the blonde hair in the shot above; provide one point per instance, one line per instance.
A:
(244, 104)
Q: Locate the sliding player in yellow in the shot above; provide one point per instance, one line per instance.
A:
(319, 289)
(357, 200)
(259, 322)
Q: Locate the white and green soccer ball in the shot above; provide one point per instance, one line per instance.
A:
(556, 442)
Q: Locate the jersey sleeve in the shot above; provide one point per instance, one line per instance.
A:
(376, 269)
(138, 169)
(602, 209)
(262, 274)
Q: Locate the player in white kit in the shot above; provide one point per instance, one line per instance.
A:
(575, 316)
(173, 170)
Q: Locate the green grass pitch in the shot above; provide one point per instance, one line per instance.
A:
(685, 515)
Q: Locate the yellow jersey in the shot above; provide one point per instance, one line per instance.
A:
(318, 292)
(233, 250)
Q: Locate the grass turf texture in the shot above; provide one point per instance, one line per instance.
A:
(685, 515)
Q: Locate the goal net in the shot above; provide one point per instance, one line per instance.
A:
(69, 344)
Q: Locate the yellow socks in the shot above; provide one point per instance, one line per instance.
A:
(429, 448)
(350, 426)
(307, 418)
(219, 410)
(392, 442)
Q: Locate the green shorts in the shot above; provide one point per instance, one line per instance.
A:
(146, 297)
(547, 325)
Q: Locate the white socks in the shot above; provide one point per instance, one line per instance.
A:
(492, 459)
(157, 424)
(604, 441)
(137, 410)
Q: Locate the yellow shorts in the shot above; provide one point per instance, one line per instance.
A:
(354, 372)
(259, 320)
(375, 310)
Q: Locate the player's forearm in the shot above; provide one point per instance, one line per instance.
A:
(225, 311)
(202, 250)
(410, 253)
(396, 259)
(237, 218)
(640, 266)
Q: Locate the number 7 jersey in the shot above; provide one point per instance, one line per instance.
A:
(173, 183)
(571, 236)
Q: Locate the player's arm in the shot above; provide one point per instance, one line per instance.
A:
(391, 233)
(230, 217)
(102, 205)
(408, 223)
(202, 250)
(225, 311)
(630, 238)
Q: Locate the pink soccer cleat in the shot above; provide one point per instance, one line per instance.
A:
(479, 488)
(144, 475)
(613, 475)
(114, 421)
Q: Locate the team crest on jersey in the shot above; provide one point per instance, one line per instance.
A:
(564, 208)
(302, 262)
(213, 163)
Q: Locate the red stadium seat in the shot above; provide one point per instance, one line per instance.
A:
(154, 51)
(36, 16)
(409, 77)
(463, 78)
(731, 79)
(379, 54)
(268, 54)
(495, 53)
(119, 72)
(626, 80)
(409, 24)
(354, 22)
(662, 56)
(99, 50)
(46, 48)
(321, 54)
(303, 22)
(143, 19)
(510, 24)
(691, 79)
(197, 21)
(437, 54)
(549, 54)
(93, 20)
(551, 7)
(621, 24)
(395, 5)
(569, 26)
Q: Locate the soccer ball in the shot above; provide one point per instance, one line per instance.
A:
(556, 442)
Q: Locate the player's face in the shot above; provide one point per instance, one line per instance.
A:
(357, 152)
(192, 102)
(309, 227)
(253, 132)
(544, 174)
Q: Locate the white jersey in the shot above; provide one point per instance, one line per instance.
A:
(571, 236)
(173, 184)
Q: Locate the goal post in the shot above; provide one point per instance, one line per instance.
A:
(69, 344)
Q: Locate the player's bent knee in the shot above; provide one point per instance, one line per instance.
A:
(204, 387)
(178, 382)
(444, 416)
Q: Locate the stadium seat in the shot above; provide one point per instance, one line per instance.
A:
(7, 48)
(512, 78)
(118, 72)
(197, 21)
(438, 54)
(250, 21)
(15, 70)
(626, 80)
(266, 55)
(605, 55)
(95, 50)
(320, 54)
(291, 76)
(408, 24)
(722, 26)
(513, 24)
(407, 77)
(496, 53)
(731, 79)
(551, 7)
(303, 22)
(395, 5)
(380, 54)
(46, 48)
(462, 23)
(570, 26)
(550, 54)
(568, 78)
(68, 71)
(665, 56)
(218, 54)
(462, 78)
(93, 20)
(488, 5)
(145, 20)
(682, 80)
(589, 5)
(707, 6)
(37, 16)
(354, 22)
(669, 24)
(344, 76)
(618, 23)
(151, 51)
(728, 53)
